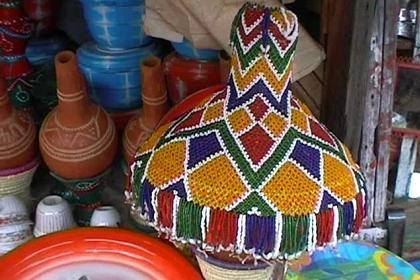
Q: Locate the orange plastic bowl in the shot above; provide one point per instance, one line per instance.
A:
(96, 253)
(186, 105)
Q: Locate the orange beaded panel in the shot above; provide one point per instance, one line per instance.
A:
(260, 68)
(299, 120)
(213, 113)
(154, 138)
(276, 124)
(292, 191)
(304, 108)
(216, 184)
(167, 164)
(240, 120)
(339, 178)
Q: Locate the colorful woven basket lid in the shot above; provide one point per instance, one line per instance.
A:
(250, 170)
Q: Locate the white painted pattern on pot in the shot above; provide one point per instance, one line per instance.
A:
(70, 146)
(15, 138)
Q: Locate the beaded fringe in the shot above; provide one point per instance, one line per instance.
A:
(272, 237)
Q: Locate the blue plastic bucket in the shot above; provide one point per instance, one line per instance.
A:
(113, 77)
(42, 50)
(116, 24)
(187, 50)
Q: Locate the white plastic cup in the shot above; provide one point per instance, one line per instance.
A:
(105, 216)
(53, 214)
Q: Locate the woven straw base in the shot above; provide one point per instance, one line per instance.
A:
(216, 270)
(18, 180)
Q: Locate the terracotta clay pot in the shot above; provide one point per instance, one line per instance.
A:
(186, 76)
(17, 133)
(77, 138)
(122, 118)
(155, 105)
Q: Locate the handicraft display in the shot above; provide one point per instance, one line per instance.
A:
(248, 170)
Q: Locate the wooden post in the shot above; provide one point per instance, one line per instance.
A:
(360, 80)
(416, 51)
(406, 164)
(372, 105)
(347, 67)
(384, 129)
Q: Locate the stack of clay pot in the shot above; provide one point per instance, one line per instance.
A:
(111, 63)
(15, 30)
(78, 139)
(189, 69)
(43, 13)
(155, 105)
(15, 225)
(45, 43)
(18, 161)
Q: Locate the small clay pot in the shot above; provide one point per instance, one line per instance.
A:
(17, 134)
(155, 105)
(77, 138)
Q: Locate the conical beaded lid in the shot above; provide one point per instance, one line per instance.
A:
(249, 169)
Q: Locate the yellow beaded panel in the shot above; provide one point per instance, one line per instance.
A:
(299, 120)
(216, 184)
(349, 156)
(167, 164)
(154, 138)
(239, 120)
(213, 113)
(280, 19)
(339, 178)
(304, 107)
(260, 68)
(291, 191)
(276, 124)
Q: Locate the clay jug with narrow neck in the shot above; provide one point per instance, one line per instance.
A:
(77, 138)
(155, 105)
(17, 133)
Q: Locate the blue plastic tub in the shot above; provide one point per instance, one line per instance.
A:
(113, 77)
(116, 24)
(187, 50)
(43, 50)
